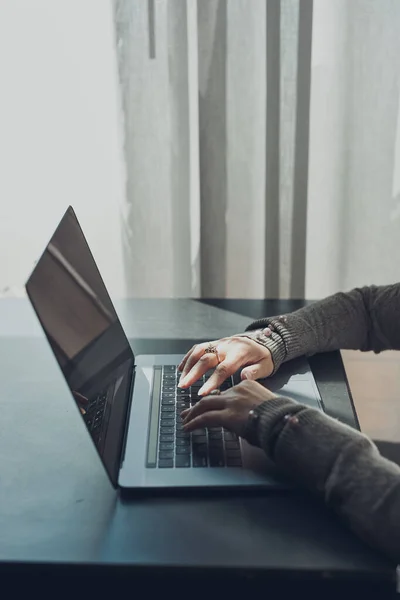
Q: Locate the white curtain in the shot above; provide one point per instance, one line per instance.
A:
(262, 146)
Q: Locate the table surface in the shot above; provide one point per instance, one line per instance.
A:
(56, 503)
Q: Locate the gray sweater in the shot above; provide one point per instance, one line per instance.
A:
(329, 458)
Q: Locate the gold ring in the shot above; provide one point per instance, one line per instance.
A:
(211, 349)
(215, 392)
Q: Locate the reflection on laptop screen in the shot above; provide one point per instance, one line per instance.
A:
(86, 336)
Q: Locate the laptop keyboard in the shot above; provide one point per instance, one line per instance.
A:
(203, 448)
(94, 414)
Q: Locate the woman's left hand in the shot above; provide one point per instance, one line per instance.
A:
(229, 409)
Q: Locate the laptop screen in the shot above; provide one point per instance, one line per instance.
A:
(86, 336)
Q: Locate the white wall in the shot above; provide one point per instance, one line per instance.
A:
(60, 129)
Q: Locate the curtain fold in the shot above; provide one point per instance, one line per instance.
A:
(262, 145)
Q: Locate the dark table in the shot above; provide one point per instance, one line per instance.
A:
(60, 516)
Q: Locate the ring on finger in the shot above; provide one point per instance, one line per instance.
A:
(212, 349)
(216, 392)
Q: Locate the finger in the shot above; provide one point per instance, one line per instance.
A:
(224, 370)
(258, 371)
(204, 363)
(193, 357)
(184, 413)
(214, 418)
(197, 353)
(184, 359)
(205, 405)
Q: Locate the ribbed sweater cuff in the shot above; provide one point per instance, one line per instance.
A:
(282, 342)
(307, 445)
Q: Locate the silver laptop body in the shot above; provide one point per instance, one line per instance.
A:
(130, 404)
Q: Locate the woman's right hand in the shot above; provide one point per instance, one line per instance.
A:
(232, 353)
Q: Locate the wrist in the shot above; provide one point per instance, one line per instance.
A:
(272, 341)
(280, 335)
(267, 420)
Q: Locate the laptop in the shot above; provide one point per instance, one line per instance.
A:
(131, 405)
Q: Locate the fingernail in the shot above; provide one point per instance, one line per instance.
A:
(201, 391)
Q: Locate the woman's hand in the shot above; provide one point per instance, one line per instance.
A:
(229, 409)
(232, 354)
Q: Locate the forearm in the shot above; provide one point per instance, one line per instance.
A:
(339, 464)
(364, 319)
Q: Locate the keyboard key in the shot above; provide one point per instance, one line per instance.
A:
(169, 376)
(215, 435)
(166, 395)
(178, 417)
(232, 444)
(182, 392)
(182, 434)
(166, 463)
(215, 443)
(165, 454)
(219, 429)
(166, 446)
(167, 401)
(167, 430)
(165, 409)
(229, 436)
(167, 423)
(182, 450)
(199, 440)
(168, 419)
(216, 459)
(169, 368)
(166, 438)
(198, 432)
(233, 462)
(197, 384)
(182, 406)
(199, 461)
(182, 460)
(200, 450)
(182, 442)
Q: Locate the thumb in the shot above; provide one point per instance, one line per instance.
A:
(258, 371)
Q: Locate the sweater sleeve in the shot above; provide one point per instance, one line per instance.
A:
(364, 319)
(339, 464)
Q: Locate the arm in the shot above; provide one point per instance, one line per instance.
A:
(339, 464)
(364, 319)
